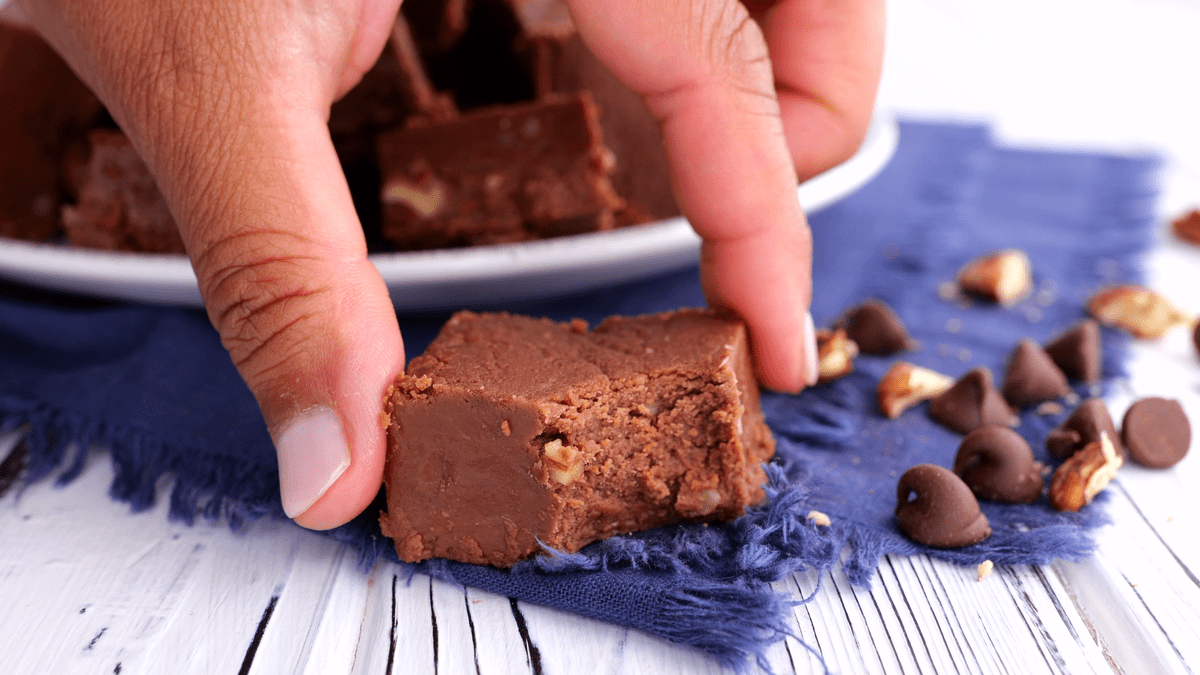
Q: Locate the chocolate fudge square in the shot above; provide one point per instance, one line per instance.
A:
(120, 207)
(559, 62)
(511, 432)
(502, 174)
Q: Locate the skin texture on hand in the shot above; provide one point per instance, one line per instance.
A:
(228, 101)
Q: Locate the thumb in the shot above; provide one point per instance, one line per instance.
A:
(306, 318)
(227, 103)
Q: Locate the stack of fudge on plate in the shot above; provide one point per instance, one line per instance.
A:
(483, 121)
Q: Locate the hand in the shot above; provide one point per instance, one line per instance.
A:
(227, 101)
(747, 108)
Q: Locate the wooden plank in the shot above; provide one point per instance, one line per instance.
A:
(498, 638)
(90, 587)
(566, 643)
(290, 622)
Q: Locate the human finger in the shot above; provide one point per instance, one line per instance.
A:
(826, 58)
(705, 73)
(227, 101)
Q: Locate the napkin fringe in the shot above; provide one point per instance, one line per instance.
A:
(732, 623)
(58, 440)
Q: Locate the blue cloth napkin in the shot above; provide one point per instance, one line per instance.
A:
(154, 385)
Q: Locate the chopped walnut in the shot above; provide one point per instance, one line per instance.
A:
(819, 519)
(905, 385)
(984, 570)
(424, 196)
(564, 463)
(1139, 311)
(1004, 276)
(1079, 479)
(835, 354)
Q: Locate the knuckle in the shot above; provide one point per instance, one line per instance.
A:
(265, 302)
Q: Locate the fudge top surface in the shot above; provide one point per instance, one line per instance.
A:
(539, 358)
(545, 133)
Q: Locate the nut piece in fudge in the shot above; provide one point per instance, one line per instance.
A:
(511, 432)
(501, 174)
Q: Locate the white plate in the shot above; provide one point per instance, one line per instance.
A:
(448, 278)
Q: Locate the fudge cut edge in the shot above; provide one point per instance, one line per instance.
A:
(511, 433)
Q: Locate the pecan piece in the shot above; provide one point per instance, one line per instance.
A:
(1139, 311)
(1004, 276)
(564, 463)
(905, 385)
(835, 354)
(1079, 479)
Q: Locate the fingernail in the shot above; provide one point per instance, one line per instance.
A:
(808, 343)
(312, 454)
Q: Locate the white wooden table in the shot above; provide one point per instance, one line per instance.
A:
(86, 587)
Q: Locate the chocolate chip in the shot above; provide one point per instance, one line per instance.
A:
(1032, 377)
(1077, 351)
(1196, 338)
(876, 329)
(1156, 432)
(936, 508)
(997, 464)
(971, 403)
(1083, 426)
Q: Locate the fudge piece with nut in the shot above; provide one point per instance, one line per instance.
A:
(559, 62)
(501, 174)
(511, 432)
